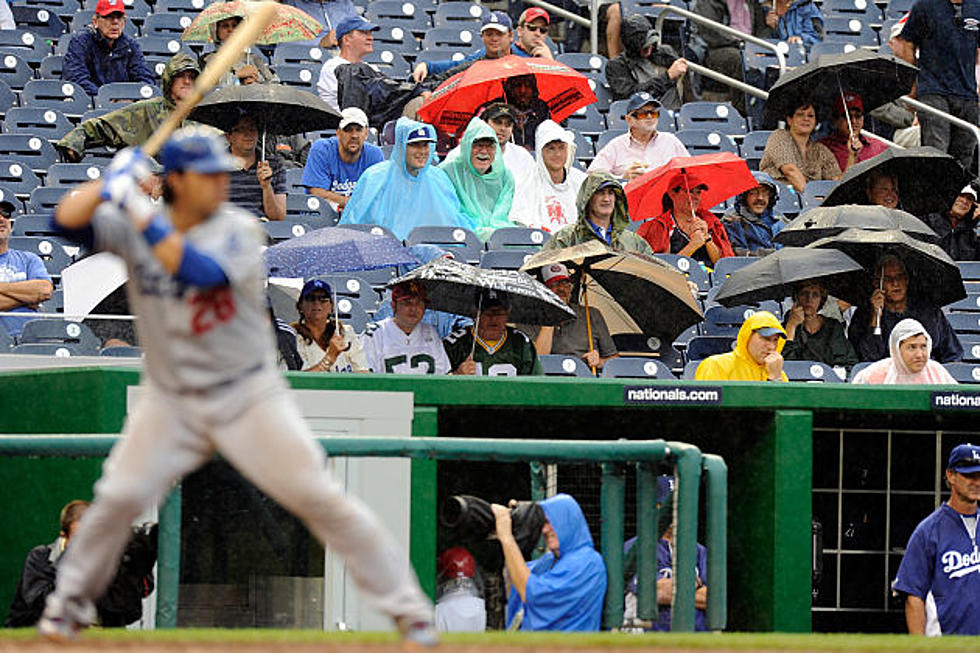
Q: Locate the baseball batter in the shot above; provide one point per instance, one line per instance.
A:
(196, 283)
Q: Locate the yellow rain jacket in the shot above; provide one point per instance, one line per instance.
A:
(739, 365)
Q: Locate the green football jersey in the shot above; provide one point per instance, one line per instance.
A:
(513, 355)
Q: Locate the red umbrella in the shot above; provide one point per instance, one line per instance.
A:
(724, 174)
(452, 105)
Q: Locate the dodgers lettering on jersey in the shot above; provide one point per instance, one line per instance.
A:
(941, 566)
(196, 338)
(389, 350)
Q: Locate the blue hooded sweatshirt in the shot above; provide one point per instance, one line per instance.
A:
(803, 19)
(564, 592)
(387, 195)
(749, 231)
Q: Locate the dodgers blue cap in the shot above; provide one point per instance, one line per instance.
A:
(640, 100)
(965, 458)
(498, 20)
(352, 23)
(420, 134)
(316, 284)
(198, 149)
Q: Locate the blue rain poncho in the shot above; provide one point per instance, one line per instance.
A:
(565, 592)
(387, 195)
(485, 198)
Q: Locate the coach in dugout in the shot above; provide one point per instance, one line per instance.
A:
(564, 588)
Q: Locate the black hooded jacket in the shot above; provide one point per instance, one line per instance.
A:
(629, 73)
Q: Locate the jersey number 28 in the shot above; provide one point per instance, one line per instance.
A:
(211, 308)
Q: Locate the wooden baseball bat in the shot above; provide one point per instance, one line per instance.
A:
(261, 15)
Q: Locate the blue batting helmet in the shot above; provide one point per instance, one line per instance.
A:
(196, 149)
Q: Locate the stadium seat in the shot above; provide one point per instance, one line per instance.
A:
(49, 250)
(64, 8)
(504, 259)
(371, 229)
(761, 59)
(312, 210)
(689, 268)
(522, 238)
(83, 18)
(35, 226)
(178, 6)
(43, 22)
(49, 123)
(603, 95)
(831, 47)
(7, 98)
(462, 243)
(811, 372)
(121, 351)
(293, 176)
(638, 345)
(814, 193)
(583, 148)
(690, 369)
(449, 13)
(26, 149)
(849, 29)
(301, 76)
(584, 62)
(700, 347)
(100, 157)
(353, 313)
(898, 8)
(161, 46)
(55, 303)
(788, 202)
(969, 270)
(396, 38)
(67, 97)
(866, 11)
(166, 25)
(724, 321)
(753, 147)
(14, 177)
(117, 94)
(964, 372)
(715, 116)
(284, 230)
(725, 266)
(857, 368)
(397, 13)
(6, 341)
(44, 199)
(969, 304)
(353, 285)
(391, 63)
(636, 368)
(62, 332)
(440, 54)
(300, 53)
(451, 37)
(15, 70)
(69, 174)
(51, 349)
(587, 121)
(964, 322)
(971, 347)
(560, 365)
(607, 136)
(704, 141)
(685, 336)
(51, 66)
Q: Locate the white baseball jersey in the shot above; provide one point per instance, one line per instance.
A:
(196, 338)
(390, 350)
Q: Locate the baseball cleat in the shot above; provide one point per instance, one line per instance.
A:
(418, 634)
(60, 630)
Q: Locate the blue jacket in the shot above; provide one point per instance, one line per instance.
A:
(564, 592)
(803, 19)
(437, 67)
(750, 232)
(90, 63)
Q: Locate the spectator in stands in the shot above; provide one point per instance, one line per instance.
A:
(406, 191)
(336, 163)
(752, 223)
(791, 157)
(811, 336)
(532, 30)
(684, 227)
(484, 185)
(957, 229)
(518, 160)
(545, 199)
(101, 53)
(947, 55)
(756, 356)
(134, 123)
(259, 186)
(890, 301)
(249, 69)
(459, 596)
(797, 21)
(287, 356)
(6, 16)
(882, 189)
(498, 37)
(724, 52)
(521, 94)
(647, 66)
(603, 215)
(910, 346)
(846, 142)
(403, 343)
(330, 13)
(563, 589)
(491, 348)
(24, 282)
(571, 338)
(642, 148)
(321, 346)
(354, 34)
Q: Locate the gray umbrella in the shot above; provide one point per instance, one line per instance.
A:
(455, 287)
(825, 221)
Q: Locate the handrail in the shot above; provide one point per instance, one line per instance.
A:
(959, 122)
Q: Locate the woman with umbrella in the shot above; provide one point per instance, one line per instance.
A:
(791, 157)
(322, 346)
(811, 336)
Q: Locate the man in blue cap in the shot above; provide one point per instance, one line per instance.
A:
(497, 35)
(940, 573)
(354, 35)
(642, 148)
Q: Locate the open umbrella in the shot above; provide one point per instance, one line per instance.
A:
(825, 221)
(928, 180)
(775, 275)
(289, 24)
(455, 287)
(877, 78)
(277, 109)
(725, 175)
(634, 293)
(933, 275)
(334, 249)
(453, 103)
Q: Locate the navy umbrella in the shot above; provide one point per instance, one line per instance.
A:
(334, 249)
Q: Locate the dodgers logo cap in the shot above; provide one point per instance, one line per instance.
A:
(420, 135)
(965, 458)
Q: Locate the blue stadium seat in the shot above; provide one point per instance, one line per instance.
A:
(55, 303)
(353, 313)
(84, 17)
(166, 25)
(300, 53)
(40, 21)
(440, 54)
(690, 369)
(640, 345)
(969, 304)
(636, 368)
(7, 193)
(849, 29)
(67, 97)
(607, 136)
(178, 6)
(964, 322)
(6, 341)
(831, 47)
(34, 226)
(725, 266)
(99, 157)
(45, 199)
(560, 365)
(603, 95)
(116, 94)
(284, 230)
(861, 9)
(398, 13)
(810, 372)
(70, 174)
(302, 76)
(48, 249)
(753, 146)
(293, 178)
(969, 270)
(371, 229)
(898, 8)
(584, 62)
(522, 238)
(583, 148)
(389, 62)
(705, 141)
(451, 37)
(685, 336)
(51, 66)
(587, 121)
(968, 373)
(759, 58)
(15, 70)
(161, 46)
(121, 351)
(28, 150)
(52, 349)
(714, 116)
(7, 98)
(312, 210)
(700, 347)
(971, 346)
(387, 135)
(689, 268)
(462, 243)
(857, 368)
(616, 115)
(352, 285)
(64, 8)
(504, 259)
(14, 175)
(788, 202)
(49, 123)
(396, 38)
(815, 191)
(63, 332)
(722, 321)
(25, 44)
(449, 13)
(95, 113)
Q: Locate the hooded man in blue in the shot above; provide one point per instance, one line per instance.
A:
(563, 589)
(406, 191)
(753, 223)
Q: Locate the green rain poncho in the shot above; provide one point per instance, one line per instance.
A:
(486, 198)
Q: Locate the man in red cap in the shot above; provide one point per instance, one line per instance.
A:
(101, 53)
(532, 30)
(846, 142)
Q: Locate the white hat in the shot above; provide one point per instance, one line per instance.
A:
(353, 116)
(968, 190)
(554, 272)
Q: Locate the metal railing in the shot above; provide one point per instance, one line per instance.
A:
(687, 459)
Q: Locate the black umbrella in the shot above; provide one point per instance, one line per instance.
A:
(877, 78)
(455, 287)
(933, 275)
(826, 221)
(928, 180)
(775, 275)
(277, 109)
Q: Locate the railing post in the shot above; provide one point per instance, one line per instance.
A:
(168, 560)
(647, 517)
(716, 535)
(688, 473)
(611, 506)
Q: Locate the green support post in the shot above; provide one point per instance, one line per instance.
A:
(688, 473)
(647, 517)
(611, 506)
(539, 480)
(168, 560)
(716, 534)
(424, 509)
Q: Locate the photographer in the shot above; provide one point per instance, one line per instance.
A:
(564, 588)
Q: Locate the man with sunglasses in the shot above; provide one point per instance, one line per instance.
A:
(24, 283)
(846, 141)
(532, 30)
(642, 148)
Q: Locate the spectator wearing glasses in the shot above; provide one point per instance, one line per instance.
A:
(24, 282)
(642, 148)
(846, 142)
(532, 30)
(322, 346)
